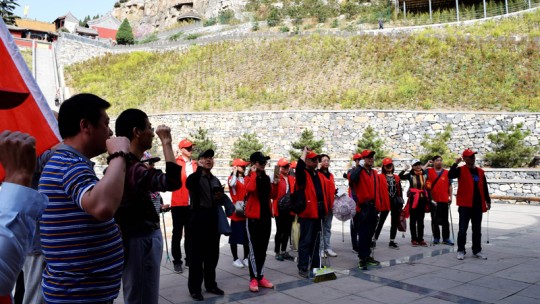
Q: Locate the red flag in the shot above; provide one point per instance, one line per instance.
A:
(22, 105)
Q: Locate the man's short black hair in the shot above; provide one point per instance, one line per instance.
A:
(78, 107)
(129, 119)
(435, 157)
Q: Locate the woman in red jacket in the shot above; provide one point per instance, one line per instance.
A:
(237, 190)
(259, 219)
(283, 220)
(390, 189)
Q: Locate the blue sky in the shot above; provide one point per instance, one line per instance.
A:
(49, 10)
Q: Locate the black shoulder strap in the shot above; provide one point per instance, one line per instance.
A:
(437, 179)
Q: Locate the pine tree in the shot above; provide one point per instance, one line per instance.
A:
(125, 33)
(509, 149)
(245, 146)
(370, 140)
(438, 145)
(201, 142)
(6, 10)
(306, 140)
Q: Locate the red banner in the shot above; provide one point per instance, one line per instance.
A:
(22, 104)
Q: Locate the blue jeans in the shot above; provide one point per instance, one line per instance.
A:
(308, 246)
(142, 262)
(327, 226)
(474, 215)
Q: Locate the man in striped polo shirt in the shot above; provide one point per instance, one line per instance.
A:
(81, 242)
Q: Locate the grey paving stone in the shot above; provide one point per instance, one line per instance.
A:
(501, 283)
(518, 299)
(350, 285)
(386, 294)
(522, 273)
(432, 281)
(480, 293)
(532, 291)
(431, 300)
(457, 275)
(352, 299)
(272, 299)
(315, 293)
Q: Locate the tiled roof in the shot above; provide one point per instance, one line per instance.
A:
(85, 30)
(35, 25)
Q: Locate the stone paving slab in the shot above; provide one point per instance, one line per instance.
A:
(409, 275)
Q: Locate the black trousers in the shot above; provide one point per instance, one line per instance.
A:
(395, 211)
(180, 219)
(474, 215)
(258, 235)
(417, 220)
(308, 246)
(439, 216)
(204, 254)
(365, 223)
(283, 232)
(354, 236)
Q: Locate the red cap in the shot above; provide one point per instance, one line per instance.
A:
(239, 163)
(282, 162)
(311, 154)
(367, 153)
(468, 152)
(293, 165)
(184, 143)
(357, 156)
(387, 161)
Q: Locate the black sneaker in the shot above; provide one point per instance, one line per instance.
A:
(303, 273)
(393, 245)
(372, 262)
(373, 244)
(216, 291)
(178, 268)
(362, 264)
(197, 297)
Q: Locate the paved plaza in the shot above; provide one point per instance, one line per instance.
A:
(409, 275)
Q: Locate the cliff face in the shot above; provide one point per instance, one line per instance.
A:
(147, 16)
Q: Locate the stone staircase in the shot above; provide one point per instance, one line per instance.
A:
(45, 73)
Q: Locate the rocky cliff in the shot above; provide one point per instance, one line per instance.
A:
(147, 16)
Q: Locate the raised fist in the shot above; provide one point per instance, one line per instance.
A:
(18, 156)
(164, 134)
(117, 144)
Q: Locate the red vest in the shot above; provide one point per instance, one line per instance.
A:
(439, 192)
(384, 204)
(365, 189)
(237, 194)
(180, 197)
(311, 210)
(330, 185)
(253, 206)
(281, 191)
(465, 192)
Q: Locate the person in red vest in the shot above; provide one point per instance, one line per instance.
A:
(284, 219)
(237, 190)
(440, 187)
(417, 200)
(472, 200)
(390, 192)
(331, 192)
(366, 194)
(260, 191)
(310, 188)
(180, 206)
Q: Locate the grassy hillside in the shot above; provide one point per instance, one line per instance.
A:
(416, 72)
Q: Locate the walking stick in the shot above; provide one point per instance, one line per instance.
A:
(168, 259)
(487, 227)
(451, 223)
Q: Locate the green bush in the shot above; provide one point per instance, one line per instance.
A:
(370, 140)
(255, 26)
(226, 16)
(125, 33)
(192, 36)
(274, 17)
(149, 39)
(335, 23)
(284, 29)
(201, 142)
(175, 37)
(244, 146)
(306, 140)
(509, 148)
(210, 21)
(438, 145)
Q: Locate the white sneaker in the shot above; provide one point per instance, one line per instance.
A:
(322, 254)
(331, 252)
(238, 263)
(460, 255)
(480, 255)
(246, 263)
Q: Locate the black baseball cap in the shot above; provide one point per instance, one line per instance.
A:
(207, 153)
(258, 157)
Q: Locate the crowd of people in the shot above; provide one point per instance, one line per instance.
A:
(85, 236)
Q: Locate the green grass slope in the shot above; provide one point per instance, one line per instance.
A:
(320, 72)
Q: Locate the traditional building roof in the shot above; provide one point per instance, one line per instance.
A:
(35, 25)
(86, 31)
(68, 17)
(107, 21)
